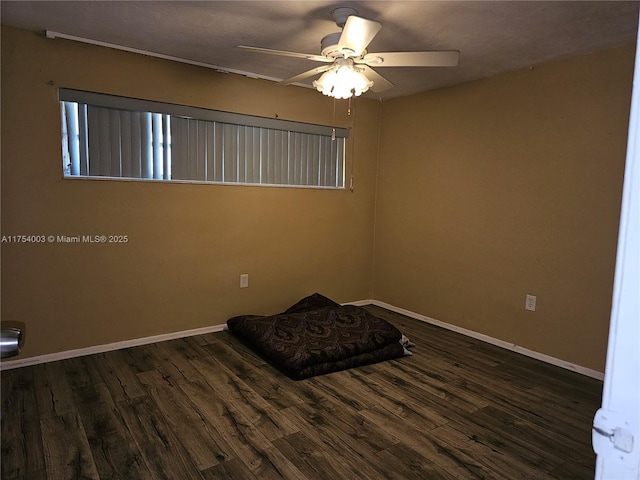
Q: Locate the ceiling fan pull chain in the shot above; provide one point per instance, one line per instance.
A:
(333, 132)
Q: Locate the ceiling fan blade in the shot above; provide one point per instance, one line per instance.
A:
(284, 53)
(447, 58)
(307, 74)
(358, 33)
(379, 82)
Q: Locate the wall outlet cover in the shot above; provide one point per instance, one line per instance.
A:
(530, 303)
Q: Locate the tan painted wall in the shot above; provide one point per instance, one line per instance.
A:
(507, 186)
(486, 191)
(188, 244)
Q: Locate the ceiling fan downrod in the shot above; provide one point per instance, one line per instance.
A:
(341, 14)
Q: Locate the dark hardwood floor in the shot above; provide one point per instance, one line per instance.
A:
(206, 407)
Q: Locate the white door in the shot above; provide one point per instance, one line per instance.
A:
(616, 426)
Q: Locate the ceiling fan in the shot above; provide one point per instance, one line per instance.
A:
(348, 69)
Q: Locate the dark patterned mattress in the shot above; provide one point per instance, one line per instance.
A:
(317, 336)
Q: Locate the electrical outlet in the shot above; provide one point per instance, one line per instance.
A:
(530, 303)
(244, 280)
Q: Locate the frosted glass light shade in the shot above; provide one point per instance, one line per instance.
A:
(343, 81)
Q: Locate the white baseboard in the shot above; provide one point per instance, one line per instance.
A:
(80, 352)
(485, 338)
(52, 357)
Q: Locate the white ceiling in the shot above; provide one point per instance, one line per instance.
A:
(492, 36)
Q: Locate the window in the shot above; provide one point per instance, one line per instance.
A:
(118, 137)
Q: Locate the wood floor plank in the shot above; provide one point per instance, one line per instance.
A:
(351, 423)
(117, 376)
(310, 458)
(206, 338)
(162, 452)
(434, 409)
(81, 371)
(114, 452)
(201, 440)
(549, 437)
(269, 387)
(514, 432)
(242, 436)
(318, 456)
(360, 455)
(360, 393)
(171, 359)
(520, 365)
(53, 390)
(253, 407)
(576, 411)
(141, 358)
(405, 463)
(186, 348)
(517, 403)
(510, 395)
(508, 445)
(275, 465)
(22, 450)
(228, 338)
(398, 402)
(574, 471)
(493, 460)
(413, 377)
(328, 386)
(66, 448)
(447, 458)
(325, 408)
(233, 469)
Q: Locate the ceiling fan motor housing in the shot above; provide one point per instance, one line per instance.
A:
(341, 14)
(330, 47)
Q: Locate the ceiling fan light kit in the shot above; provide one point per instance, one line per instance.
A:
(343, 80)
(349, 73)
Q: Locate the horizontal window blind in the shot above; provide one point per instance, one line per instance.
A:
(108, 136)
